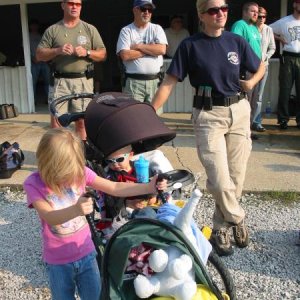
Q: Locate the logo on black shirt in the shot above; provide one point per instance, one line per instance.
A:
(233, 58)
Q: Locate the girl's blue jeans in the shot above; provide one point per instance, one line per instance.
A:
(82, 275)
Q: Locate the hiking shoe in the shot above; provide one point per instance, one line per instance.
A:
(220, 241)
(241, 234)
(283, 125)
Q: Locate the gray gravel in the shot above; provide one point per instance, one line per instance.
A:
(268, 269)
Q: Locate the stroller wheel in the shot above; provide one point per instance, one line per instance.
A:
(220, 275)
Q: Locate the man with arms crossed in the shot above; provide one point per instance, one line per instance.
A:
(141, 46)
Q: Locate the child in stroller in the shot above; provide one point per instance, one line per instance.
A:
(106, 120)
(120, 167)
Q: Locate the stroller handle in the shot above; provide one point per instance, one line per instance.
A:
(67, 118)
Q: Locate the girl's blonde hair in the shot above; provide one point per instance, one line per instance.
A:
(60, 159)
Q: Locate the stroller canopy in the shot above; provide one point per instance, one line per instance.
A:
(115, 120)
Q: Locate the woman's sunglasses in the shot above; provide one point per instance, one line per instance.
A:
(215, 10)
(117, 160)
(71, 4)
(261, 17)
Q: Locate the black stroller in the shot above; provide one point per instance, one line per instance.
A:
(115, 120)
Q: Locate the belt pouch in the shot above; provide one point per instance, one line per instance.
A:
(89, 73)
(198, 102)
(207, 105)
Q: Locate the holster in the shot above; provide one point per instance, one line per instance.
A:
(89, 73)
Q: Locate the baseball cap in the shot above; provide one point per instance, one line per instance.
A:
(139, 3)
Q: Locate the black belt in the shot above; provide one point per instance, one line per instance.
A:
(69, 75)
(207, 103)
(286, 53)
(142, 76)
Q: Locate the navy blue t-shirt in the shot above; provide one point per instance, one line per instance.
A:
(214, 61)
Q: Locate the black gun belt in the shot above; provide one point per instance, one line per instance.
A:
(69, 75)
(142, 76)
(199, 101)
(293, 54)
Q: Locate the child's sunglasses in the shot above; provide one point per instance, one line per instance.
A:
(117, 160)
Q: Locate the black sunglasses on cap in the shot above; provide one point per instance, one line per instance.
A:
(215, 10)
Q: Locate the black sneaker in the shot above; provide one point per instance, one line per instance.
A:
(220, 241)
(258, 127)
(241, 234)
(254, 137)
(283, 125)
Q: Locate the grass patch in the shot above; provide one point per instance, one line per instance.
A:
(284, 197)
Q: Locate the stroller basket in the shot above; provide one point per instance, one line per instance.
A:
(115, 120)
(153, 233)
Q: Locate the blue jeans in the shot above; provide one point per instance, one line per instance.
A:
(257, 116)
(82, 274)
(37, 70)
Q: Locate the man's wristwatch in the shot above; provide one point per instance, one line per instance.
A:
(88, 53)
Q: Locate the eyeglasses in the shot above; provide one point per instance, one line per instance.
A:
(144, 9)
(215, 10)
(261, 17)
(117, 160)
(71, 4)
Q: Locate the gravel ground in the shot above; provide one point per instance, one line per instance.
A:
(268, 269)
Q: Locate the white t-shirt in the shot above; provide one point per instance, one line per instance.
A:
(289, 28)
(152, 34)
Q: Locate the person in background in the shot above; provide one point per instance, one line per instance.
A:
(38, 69)
(2, 58)
(98, 76)
(141, 46)
(57, 192)
(286, 30)
(73, 45)
(175, 34)
(246, 27)
(213, 60)
(268, 48)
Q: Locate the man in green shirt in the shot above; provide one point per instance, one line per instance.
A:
(247, 29)
(72, 45)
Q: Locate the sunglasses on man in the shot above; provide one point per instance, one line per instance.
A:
(261, 17)
(71, 4)
(144, 9)
(215, 10)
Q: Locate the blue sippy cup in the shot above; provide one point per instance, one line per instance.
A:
(142, 169)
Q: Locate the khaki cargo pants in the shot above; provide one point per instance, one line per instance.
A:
(69, 86)
(224, 145)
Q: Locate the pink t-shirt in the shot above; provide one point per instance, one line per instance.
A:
(66, 242)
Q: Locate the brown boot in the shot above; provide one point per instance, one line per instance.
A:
(241, 234)
(220, 241)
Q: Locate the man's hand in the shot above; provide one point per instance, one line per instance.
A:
(80, 51)
(66, 49)
(136, 47)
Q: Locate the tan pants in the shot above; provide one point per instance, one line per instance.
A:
(224, 145)
(69, 86)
